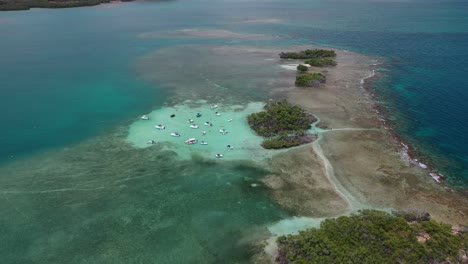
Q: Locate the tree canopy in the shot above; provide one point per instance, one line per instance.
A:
(322, 62)
(308, 54)
(372, 237)
(310, 79)
(282, 124)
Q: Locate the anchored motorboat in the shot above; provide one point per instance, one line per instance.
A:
(219, 155)
(160, 127)
(208, 124)
(199, 115)
(175, 134)
(230, 120)
(223, 131)
(191, 141)
(144, 117)
(190, 121)
(218, 114)
(203, 143)
(213, 106)
(152, 142)
(193, 126)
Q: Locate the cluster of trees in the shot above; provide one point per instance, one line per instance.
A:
(308, 54)
(372, 237)
(302, 68)
(321, 62)
(313, 57)
(310, 79)
(6, 5)
(282, 125)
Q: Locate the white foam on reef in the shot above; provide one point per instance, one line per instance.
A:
(245, 143)
(291, 67)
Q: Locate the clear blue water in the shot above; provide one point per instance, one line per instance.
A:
(68, 76)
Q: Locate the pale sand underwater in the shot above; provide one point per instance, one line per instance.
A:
(237, 142)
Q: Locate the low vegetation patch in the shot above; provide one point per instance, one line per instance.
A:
(308, 54)
(323, 62)
(310, 79)
(302, 68)
(7, 5)
(282, 125)
(373, 237)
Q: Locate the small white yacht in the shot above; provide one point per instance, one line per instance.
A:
(190, 121)
(219, 155)
(213, 106)
(175, 134)
(223, 131)
(144, 117)
(217, 114)
(193, 126)
(160, 127)
(191, 141)
(208, 124)
(203, 143)
(230, 120)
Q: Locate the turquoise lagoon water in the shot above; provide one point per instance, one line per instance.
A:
(77, 189)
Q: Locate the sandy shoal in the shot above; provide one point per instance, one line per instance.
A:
(367, 163)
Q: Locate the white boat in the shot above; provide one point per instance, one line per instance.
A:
(190, 121)
(175, 134)
(191, 141)
(223, 131)
(230, 120)
(203, 143)
(218, 114)
(152, 142)
(208, 124)
(213, 106)
(219, 155)
(194, 126)
(144, 117)
(160, 127)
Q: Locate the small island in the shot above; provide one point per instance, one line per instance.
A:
(321, 62)
(10, 5)
(308, 54)
(375, 237)
(282, 125)
(302, 68)
(310, 79)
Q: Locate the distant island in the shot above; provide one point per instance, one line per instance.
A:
(10, 5)
(308, 54)
(321, 62)
(310, 79)
(375, 237)
(282, 125)
(313, 58)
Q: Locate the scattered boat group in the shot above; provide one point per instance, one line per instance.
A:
(192, 141)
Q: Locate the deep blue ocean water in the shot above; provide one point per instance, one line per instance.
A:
(68, 75)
